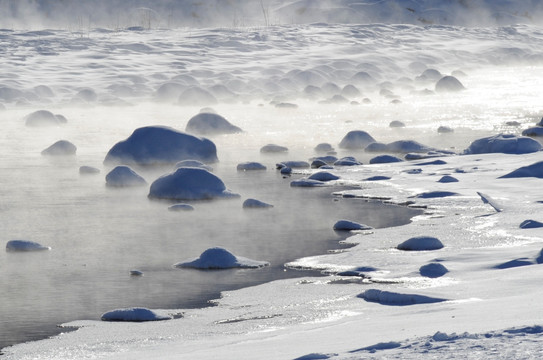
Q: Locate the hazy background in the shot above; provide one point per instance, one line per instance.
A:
(79, 14)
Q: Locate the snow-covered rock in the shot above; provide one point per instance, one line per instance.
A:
(293, 164)
(250, 165)
(324, 148)
(533, 131)
(196, 96)
(347, 161)
(305, 182)
(192, 163)
(160, 145)
(136, 314)
(503, 143)
(189, 184)
(273, 148)
(122, 176)
(88, 170)
(421, 243)
(530, 224)
(397, 299)
(449, 84)
(396, 124)
(433, 270)
(210, 124)
(356, 139)
(383, 159)
(181, 207)
(44, 118)
(323, 176)
(60, 148)
(347, 225)
(254, 203)
(447, 179)
(533, 170)
(220, 258)
(25, 245)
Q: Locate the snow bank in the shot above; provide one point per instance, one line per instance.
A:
(136, 314)
(160, 145)
(219, 258)
(210, 124)
(189, 184)
(25, 245)
(122, 176)
(60, 148)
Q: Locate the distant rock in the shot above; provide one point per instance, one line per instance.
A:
(286, 105)
(272, 148)
(324, 148)
(60, 148)
(384, 159)
(433, 270)
(44, 118)
(123, 176)
(210, 124)
(196, 96)
(534, 170)
(219, 258)
(447, 179)
(189, 184)
(181, 207)
(323, 176)
(87, 170)
(347, 225)
(378, 178)
(305, 182)
(421, 243)
(503, 143)
(253, 203)
(154, 145)
(169, 91)
(192, 163)
(25, 245)
(134, 315)
(294, 164)
(400, 146)
(449, 84)
(396, 299)
(530, 224)
(396, 124)
(250, 165)
(317, 163)
(535, 131)
(445, 130)
(356, 139)
(430, 75)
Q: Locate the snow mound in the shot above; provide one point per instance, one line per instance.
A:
(433, 270)
(136, 314)
(189, 184)
(210, 124)
(60, 148)
(503, 143)
(160, 145)
(421, 243)
(530, 224)
(396, 299)
(87, 170)
(533, 170)
(323, 176)
(253, 203)
(533, 131)
(250, 165)
(449, 84)
(346, 225)
(44, 118)
(196, 96)
(122, 176)
(220, 258)
(25, 245)
(447, 179)
(384, 159)
(181, 207)
(193, 163)
(272, 148)
(356, 139)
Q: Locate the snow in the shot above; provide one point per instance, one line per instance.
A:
(220, 258)
(25, 245)
(187, 183)
(158, 145)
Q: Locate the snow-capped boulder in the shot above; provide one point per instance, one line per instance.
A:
(445, 129)
(87, 94)
(530, 224)
(324, 148)
(433, 270)
(196, 96)
(122, 176)
(323, 176)
(293, 164)
(407, 146)
(504, 143)
(304, 182)
(181, 207)
(135, 314)
(169, 91)
(160, 145)
(356, 139)
(347, 225)
(317, 163)
(449, 84)
(192, 163)
(189, 184)
(250, 165)
(60, 148)
(533, 170)
(210, 124)
(533, 131)
(44, 118)
(273, 148)
(220, 258)
(397, 299)
(384, 159)
(396, 124)
(447, 179)
(347, 161)
(255, 204)
(421, 243)
(25, 245)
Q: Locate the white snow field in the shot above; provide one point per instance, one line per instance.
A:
(461, 280)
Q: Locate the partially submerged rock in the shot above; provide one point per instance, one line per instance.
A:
(421, 243)
(250, 165)
(347, 225)
(254, 203)
(60, 148)
(181, 207)
(193, 163)
(123, 176)
(397, 299)
(44, 118)
(135, 314)
(433, 270)
(219, 258)
(24, 246)
(530, 224)
(210, 124)
(356, 139)
(449, 84)
(273, 148)
(154, 145)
